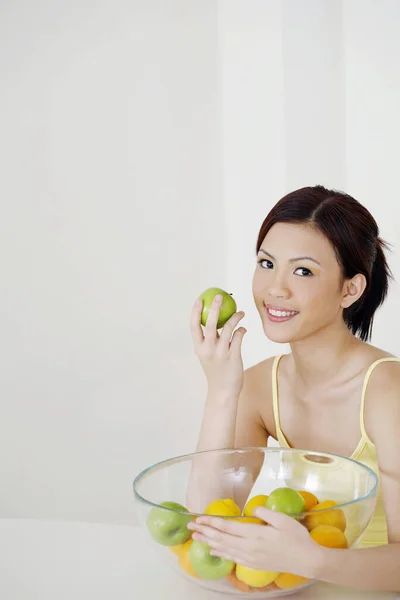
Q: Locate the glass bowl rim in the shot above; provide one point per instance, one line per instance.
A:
(242, 450)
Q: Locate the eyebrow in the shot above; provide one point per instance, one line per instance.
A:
(292, 260)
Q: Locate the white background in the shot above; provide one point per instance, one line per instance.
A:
(142, 143)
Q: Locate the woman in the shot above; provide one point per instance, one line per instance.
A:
(321, 274)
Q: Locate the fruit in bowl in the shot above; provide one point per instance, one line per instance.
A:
(331, 496)
(286, 500)
(207, 566)
(167, 524)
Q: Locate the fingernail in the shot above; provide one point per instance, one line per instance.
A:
(218, 298)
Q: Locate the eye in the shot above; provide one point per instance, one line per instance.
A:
(265, 263)
(303, 272)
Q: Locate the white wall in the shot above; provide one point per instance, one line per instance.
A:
(372, 60)
(111, 226)
(310, 95)
(253, 144)
(142, 144)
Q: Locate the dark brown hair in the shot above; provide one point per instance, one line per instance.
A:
(353, 233)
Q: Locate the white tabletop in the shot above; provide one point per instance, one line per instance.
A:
(48, 560)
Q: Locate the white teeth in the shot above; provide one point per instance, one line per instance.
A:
(281, 313)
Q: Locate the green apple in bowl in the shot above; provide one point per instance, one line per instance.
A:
(228, 305)
(167, 526)
(286, 500)
(206, 565)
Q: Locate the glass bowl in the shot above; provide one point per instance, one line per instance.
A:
(194, 484)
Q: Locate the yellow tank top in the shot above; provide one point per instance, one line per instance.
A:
(365, 453)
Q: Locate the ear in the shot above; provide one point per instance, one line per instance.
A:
(353, 289)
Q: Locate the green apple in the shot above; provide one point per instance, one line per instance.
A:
(286, 500)
(206, 565)
(167, 526)
(228, 306)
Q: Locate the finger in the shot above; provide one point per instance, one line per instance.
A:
(195, 319)
(276, 519)
(237, 339)
(225, 526)
(235, 558)
(227, 555)
(230, 326)
(220, 541)
(213, 316)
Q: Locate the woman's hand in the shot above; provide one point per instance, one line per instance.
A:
(219, 354)
(285, 546)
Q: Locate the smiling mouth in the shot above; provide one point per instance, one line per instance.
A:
(278, 315)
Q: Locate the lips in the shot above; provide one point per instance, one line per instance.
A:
(280, 314)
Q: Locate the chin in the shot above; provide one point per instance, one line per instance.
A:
(279, 339)
(285, 333)
(278, 335)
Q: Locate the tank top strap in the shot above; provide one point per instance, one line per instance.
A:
(275, 396)
(364, 391)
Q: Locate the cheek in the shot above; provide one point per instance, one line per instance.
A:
(321, 296)
(258, 284)
(311, 294)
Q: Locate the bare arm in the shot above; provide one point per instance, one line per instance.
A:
(230, 418)
(226, 424)
(377, 568)
(250, 432)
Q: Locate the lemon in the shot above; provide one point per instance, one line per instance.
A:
(253, 503)
(254, 577)
(225, 507)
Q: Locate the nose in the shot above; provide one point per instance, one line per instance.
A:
(275, 293)
(278, 289)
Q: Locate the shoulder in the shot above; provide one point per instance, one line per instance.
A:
(382, 397)
(384, 371)
(259, 376)
(258, 391)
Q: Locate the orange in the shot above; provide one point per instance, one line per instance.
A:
(184, 560)
(266, 588)
(240, 585)
(334, 517)
(176, 549)
(329, 536)
(288, 580)
(253, 503)
(273, 586)
(309, 498)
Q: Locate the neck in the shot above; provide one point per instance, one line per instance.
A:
(324, 354)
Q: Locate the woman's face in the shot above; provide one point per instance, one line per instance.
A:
(297, 284)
